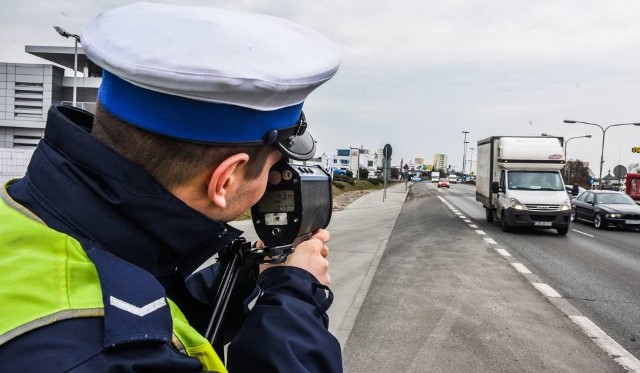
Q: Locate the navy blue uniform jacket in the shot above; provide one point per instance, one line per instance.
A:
(81, 187)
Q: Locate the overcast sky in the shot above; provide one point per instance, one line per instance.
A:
(416, 73)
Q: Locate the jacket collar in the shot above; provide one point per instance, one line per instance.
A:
(80, 186)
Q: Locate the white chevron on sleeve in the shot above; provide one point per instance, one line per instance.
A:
(139, 311)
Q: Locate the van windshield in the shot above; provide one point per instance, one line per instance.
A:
(534, 180)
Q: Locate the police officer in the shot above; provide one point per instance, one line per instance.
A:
(101, 237)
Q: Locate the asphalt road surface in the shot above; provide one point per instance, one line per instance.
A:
(598, 271)
(443, 300)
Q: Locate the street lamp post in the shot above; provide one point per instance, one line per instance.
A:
(568, 169)
(471, 161)
(464, 152)
(567, 141)
(604, 132)
(66, 34)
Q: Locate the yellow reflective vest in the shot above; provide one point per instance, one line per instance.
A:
(46, 276)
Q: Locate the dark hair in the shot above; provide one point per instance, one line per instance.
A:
(170, 161)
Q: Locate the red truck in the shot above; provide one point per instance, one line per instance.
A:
(632, 186)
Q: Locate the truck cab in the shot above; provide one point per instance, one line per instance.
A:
(532, 199)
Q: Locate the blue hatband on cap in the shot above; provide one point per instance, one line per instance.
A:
(189, 119)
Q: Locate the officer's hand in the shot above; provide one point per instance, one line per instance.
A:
(311, 255)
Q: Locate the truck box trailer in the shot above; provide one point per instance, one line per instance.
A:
(518, 182)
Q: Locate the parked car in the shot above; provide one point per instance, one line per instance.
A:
(443, 183)
(604, 208)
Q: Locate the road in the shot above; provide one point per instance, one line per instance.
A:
(443, 300)
(598, 271)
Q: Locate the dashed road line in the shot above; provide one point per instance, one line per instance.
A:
(599, 337)
(490, 240)
(503, 252)
(586, 234)
(520, 268)
(480, 232)
(546, 290)
(473, 226)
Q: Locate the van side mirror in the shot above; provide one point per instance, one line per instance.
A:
(495, 187)
(575, 190)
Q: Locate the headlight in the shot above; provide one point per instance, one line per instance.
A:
(614, 216)
(516, 204)
(566, 205)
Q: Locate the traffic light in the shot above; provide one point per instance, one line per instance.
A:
(635, 149)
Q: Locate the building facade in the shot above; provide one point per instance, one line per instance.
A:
(28, 90)
(440, 162)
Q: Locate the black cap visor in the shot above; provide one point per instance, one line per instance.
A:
(295, 142)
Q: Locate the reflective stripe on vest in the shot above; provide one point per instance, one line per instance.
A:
(70, 288)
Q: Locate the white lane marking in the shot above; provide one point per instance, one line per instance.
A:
(503, 252)
(480, 232)
(473, 226)
(490, 240)
(546, 290)
(520, 268)
(600, 338)
(462, 217)
(586, 234)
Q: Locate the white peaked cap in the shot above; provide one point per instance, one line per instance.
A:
(209, 54)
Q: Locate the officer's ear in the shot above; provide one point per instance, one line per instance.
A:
(226, 178)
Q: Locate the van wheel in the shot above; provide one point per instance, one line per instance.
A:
(503, 223)
(563, 231)
(488, 215)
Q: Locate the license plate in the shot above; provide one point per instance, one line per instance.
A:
(632, 222)
(543, 223)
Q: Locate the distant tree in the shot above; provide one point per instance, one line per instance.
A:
(350, 173)
(575, 172)
(364, 173)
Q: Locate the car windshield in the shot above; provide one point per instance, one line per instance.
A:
(535, 180)
(614, 198)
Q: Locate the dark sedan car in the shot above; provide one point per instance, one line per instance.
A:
(606, 208)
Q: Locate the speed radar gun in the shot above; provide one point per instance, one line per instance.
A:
(296, 203)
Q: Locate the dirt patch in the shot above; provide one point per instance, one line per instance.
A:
(343, 200)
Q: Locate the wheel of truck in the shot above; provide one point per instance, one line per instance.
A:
(503, 223)
(563, 231)
(488, 214)
(597, 222)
